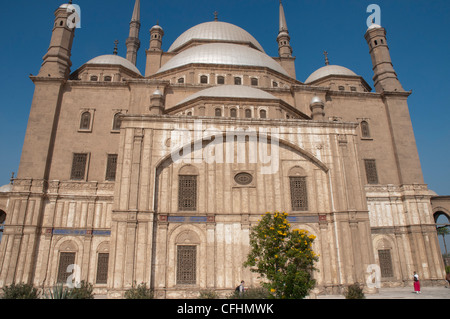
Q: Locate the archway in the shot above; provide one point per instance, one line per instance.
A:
(2, 223)
(442, 220)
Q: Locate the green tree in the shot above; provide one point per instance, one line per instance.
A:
(283, 257)
(443, 231)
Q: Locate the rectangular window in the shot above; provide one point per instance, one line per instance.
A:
(102, 268)
(187, 193)
(299, 195)
(384, 257)
(111, 167)
(79, 167)
(186, 265)
(65, 260)
(371, 171)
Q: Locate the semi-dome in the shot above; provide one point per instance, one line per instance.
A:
(216, 32)
(329, 70)
(231, 91)
(112, 59)
(223, 54)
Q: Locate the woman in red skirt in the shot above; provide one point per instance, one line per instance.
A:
(416, 283)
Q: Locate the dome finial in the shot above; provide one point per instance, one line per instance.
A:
(216, 16)
(325, 53)
(116, 43)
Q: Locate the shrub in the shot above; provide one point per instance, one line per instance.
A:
(84, 292)
(447, 269)
(20, 291)
(139, 292)
(208, 294)
(57, 292)
(354, 292)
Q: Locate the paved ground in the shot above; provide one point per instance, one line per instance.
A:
(403, 293)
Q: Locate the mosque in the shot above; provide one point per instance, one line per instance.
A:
(158, 175)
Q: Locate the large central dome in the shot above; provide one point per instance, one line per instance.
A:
(223, 54)
(216, 32)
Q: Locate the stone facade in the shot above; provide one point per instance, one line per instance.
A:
(142, 171)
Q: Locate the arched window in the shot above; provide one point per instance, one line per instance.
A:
(94, 78)
(233, 113)
(262, 114)
(116, 122)
(254, 81)
(218, 112)
(248, 113)
(2, 223)
(180, 81)
(85, 123)
(187, 189)
(365, 131)
(237, 80)
(220, 80)
(204, 79)
(275, 84)
(298, 188)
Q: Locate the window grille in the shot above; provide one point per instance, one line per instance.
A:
(371, 171)
(220, 80)
(254, 81)
(365, 132)
(78, 167)
(186, 265)
(111, 167)
(102, 268)
(299, 195)
(204, 79)
(65, 260)
(85, 123)
(237, 81)
(218, 112)
(385, 259)
(180, 81)
(187, 193)
(248, 113)
(233, 113)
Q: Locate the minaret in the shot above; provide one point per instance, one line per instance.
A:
(133, 43)
(283, 39)
(385, 78)
(57, 61)
(156, 35)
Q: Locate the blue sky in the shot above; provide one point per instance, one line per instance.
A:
(417, 35)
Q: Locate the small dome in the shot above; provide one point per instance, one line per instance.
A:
(156, 27)
(157, 92)
(231, 91)
(223, 54)
(329, 70)
(374, 26)
(216, 32)
(6, 188)
(315, 100)
(113, 59)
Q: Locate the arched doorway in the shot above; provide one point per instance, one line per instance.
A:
(2, 223)
(442, 220)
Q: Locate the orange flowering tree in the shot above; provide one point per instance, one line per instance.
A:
(283, 257)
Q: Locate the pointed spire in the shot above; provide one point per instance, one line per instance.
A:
(133, 43)
(116, 43)
(283, 24)
(216, 16)
(325, 53)
(137, 12)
